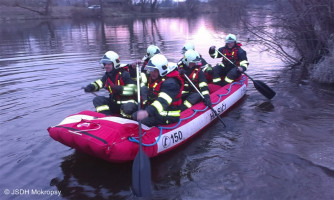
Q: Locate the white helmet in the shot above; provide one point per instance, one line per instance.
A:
(151, 51)
(172, 66)
(111, 57)
(187, 46)
(230, 38)
(159, 62)
(191, 56)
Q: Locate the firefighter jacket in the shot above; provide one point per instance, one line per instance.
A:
(119, 84)
(165, 96)
(237, 55)
(197, 76)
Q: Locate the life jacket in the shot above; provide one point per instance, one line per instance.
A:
(232, 55)
(154, 88)
(118, 82)
(193, 76)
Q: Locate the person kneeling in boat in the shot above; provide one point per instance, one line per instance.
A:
(206, 67)
(192, 69)
(164, 94)
(119, 84)
(233, 51)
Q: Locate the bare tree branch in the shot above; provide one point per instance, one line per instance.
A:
(44, 12)
(304, 26)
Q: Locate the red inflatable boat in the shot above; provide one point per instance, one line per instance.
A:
(116, 139)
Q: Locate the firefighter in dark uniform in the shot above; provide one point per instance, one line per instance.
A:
(192, 68)
(117, 81)
(164, 94)
(206, 67)
(225, 72)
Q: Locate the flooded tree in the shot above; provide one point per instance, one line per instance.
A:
(147, 5)
(305, 36)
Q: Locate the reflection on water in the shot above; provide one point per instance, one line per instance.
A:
(93, 177)
(282, 147)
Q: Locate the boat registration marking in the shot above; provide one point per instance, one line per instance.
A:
(171, 138)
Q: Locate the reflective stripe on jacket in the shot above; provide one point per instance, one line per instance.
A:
(128, 88)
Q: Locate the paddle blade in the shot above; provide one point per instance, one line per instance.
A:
(264, 89)
(141, 175)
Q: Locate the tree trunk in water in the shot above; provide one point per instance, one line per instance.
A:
(47, 7)
(101, 10)
(153, 5)
(142, 5)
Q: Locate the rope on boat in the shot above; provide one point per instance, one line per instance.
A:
(135, 139)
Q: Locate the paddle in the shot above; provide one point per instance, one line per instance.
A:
(213, 110)
(264, 89)
(141, 168)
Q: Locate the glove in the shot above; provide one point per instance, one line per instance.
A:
(207, 101)
(213, 48)
(89, 88)
(116, 89)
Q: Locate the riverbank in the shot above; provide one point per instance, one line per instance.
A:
(60, 12)
(8, 13)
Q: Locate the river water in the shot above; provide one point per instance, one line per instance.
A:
(278, 149)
